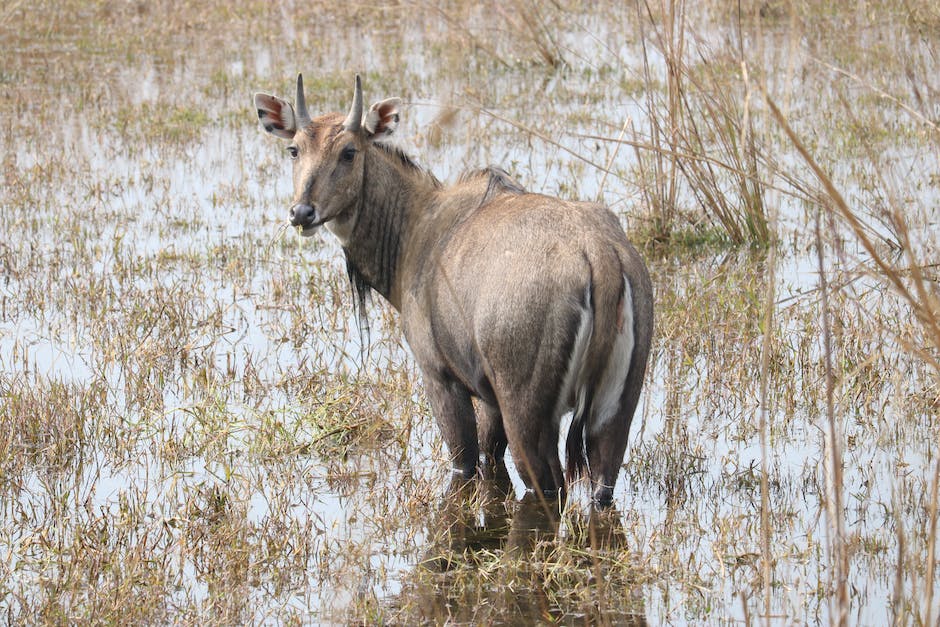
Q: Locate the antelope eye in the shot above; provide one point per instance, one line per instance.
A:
(348, 154)
(292, 151)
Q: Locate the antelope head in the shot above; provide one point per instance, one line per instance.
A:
(328, 154)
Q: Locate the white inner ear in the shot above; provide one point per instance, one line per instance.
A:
(287, 116)
(373, 118)
(276, 111)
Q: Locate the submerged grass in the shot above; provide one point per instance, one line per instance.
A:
(189, 433)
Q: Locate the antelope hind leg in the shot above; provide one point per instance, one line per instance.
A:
(492, 434)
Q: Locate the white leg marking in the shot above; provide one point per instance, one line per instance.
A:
(607, 396)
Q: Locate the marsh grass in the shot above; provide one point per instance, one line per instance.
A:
(189, 432)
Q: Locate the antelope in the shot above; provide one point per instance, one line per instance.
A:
(517, 307)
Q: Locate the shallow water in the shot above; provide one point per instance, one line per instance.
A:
(193, 428)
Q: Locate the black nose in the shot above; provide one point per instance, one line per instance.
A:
(302, 215)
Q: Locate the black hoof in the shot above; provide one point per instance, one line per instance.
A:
(603, 496)
(466, 473)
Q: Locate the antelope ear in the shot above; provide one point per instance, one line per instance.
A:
(382, 118)
(276, 115)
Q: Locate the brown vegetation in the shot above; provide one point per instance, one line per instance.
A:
(188, 432)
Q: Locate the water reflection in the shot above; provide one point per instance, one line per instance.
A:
(495, 560)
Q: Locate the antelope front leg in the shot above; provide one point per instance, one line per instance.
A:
(453, 410)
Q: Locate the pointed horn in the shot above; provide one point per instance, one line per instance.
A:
(303, 118)
(354, 120)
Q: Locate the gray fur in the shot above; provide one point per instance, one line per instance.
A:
(492, 283)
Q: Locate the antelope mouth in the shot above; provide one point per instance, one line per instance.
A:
(306, 217)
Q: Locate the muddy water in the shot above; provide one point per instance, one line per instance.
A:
(179, 368)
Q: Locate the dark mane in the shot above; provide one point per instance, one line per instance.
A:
(405, 160)
(499, 182)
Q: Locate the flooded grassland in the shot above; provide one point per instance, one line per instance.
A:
(192, 431)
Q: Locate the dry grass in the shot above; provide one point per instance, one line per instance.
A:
(188, 433)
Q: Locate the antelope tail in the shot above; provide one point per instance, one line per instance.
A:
(603, 364)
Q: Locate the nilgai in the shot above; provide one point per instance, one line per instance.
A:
(532, 305)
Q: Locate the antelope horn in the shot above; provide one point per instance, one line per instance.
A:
(354, 120)
(303, 118)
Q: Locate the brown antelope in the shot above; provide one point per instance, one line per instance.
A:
(532, 305)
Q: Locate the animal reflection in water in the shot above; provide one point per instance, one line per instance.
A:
(498, 561)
